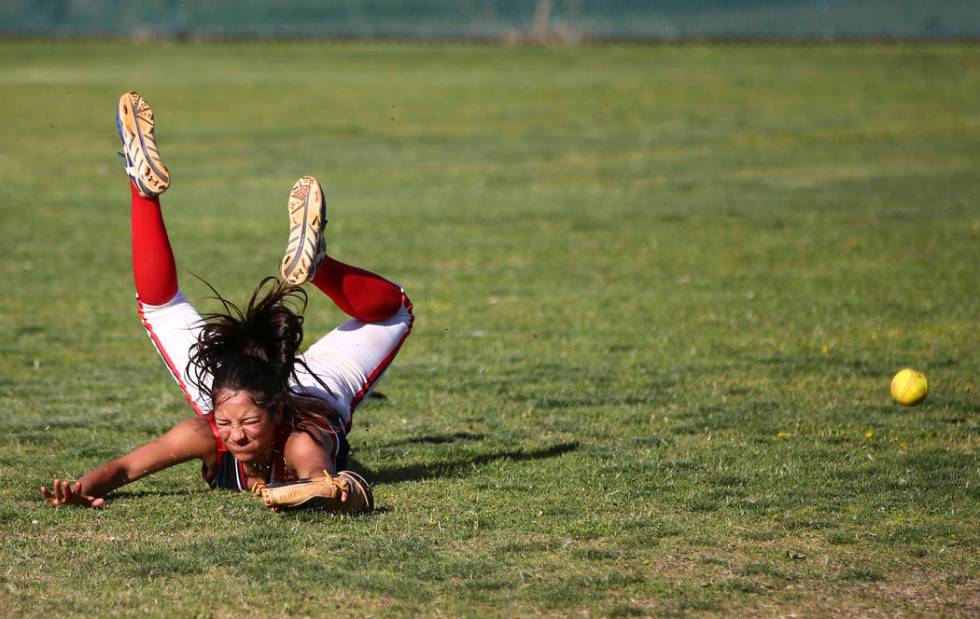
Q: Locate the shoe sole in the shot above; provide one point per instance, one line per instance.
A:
(307, 216)
(134, 120)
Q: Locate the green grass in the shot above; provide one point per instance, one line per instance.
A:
(661, 292)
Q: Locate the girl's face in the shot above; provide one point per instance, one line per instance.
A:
(246, 429)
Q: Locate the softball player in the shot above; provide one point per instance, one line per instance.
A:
(264, 413)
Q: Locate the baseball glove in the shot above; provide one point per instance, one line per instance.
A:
(347, 493)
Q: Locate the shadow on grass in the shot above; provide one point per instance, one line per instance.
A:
(457, 468)
(435, 439)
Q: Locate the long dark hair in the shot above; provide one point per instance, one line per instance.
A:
(252, 349)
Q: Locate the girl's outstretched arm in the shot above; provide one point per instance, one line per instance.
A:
(189, 439)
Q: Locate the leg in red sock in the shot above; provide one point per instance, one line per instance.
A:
(153, 259)
(359, 293)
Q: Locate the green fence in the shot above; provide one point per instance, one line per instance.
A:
(503, 20)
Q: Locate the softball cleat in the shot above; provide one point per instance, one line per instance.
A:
(307, 219)
(134, 119)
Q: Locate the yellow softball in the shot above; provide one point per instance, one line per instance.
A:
(909, 387)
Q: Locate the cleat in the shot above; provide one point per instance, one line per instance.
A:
(134, 120)
(307, 219)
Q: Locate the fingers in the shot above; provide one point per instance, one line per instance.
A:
(66, 493)
(86, 499)
(55, 497)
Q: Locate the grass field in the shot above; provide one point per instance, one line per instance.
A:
(661, 292)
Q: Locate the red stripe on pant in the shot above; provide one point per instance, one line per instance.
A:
(378, 371)
(166, 359)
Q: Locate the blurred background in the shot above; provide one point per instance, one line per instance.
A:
(567, 21)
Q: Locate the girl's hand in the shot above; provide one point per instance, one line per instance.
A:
(66, 493)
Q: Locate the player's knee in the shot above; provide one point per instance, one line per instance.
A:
(386, 307)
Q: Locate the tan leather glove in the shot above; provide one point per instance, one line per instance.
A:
(347, 493)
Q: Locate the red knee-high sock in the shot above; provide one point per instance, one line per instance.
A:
(361, 294)
(153, 259)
